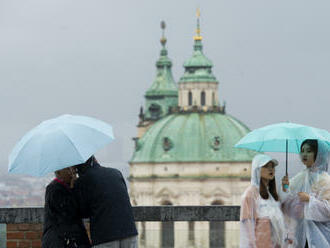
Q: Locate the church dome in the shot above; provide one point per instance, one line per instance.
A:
(192, 137)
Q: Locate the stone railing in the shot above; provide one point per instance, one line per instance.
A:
(24, 225)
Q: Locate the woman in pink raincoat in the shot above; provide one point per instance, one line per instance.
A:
(261, 219)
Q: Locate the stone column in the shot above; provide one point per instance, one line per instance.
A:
(181, 234)
(153, 232)
(202, 234)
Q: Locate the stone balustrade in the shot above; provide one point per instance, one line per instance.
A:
(24, 225)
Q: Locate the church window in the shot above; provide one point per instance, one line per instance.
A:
(203, 98)
(191, 70)
(189, 98)
(155, 111)
(138, 143)
(167, 144)
(215, 143)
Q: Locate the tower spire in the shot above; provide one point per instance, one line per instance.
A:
(163, 92)
(198, 29)
(163, 39)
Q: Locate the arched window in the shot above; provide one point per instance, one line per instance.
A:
(217, 232)
(213, 99)
(189, 98)
(167, 231)
(155, 110)
(203, 98)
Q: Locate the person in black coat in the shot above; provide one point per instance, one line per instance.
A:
(63, 226)
(103, 197)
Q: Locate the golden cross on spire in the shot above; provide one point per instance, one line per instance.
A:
(198, 13)
(198, 30)
(163, 39)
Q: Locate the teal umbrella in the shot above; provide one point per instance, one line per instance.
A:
(59, 143)
(282, 137)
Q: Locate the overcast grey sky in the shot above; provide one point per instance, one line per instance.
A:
(97, 58)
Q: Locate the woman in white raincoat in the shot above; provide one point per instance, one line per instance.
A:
(261, 219)
(307, 203)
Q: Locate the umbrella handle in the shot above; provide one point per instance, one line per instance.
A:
(286, 158)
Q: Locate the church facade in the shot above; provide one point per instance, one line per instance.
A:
(184, 154)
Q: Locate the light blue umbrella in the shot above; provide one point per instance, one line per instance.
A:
(282, 137)
(59, 143)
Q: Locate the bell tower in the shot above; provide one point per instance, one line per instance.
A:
(162, 94)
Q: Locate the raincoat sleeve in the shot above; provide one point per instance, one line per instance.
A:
(248, 220)
(318, 207)
(291, 205)
(282, 195)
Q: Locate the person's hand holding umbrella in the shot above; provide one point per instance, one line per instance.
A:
(285, 183)
(303, 196)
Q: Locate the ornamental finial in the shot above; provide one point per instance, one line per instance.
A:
(198, 30)
(163, 39)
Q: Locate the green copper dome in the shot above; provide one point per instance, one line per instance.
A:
(192, 137)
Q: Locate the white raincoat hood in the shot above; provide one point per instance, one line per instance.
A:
(259, 161)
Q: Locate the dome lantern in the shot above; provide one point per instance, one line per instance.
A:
(198, 87)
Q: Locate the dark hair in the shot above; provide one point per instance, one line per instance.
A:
(272, 189)
(82, 168)
(313, 144)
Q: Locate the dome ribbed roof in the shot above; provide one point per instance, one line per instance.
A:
(198, 59)
(164, 84)
(198, 68)
(193, 137)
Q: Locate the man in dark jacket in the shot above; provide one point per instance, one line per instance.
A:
(63, 227)
(103, 197)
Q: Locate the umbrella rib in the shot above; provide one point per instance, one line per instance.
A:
(69, 138)
(88, 126)
(298, 149)
(263, 142)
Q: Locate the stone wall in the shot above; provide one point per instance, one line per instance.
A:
(24, 225)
